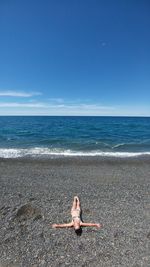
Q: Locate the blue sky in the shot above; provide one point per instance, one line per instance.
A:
(82, 57)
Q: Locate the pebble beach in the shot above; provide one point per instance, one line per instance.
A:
(35, 193)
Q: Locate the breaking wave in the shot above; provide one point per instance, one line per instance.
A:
(39, 152)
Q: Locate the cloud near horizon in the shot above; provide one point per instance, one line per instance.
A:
(10, 93)
(59, 106)
(66, 109)
(45, 105)
(53, 106)
(21, 105)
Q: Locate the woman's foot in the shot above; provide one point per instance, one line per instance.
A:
(76, 198)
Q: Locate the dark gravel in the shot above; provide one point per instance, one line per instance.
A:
(35, 194)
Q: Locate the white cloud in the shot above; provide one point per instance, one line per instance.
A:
(57, 108)
(56, 100)
(21, 105)
(18, 93)
(72, 108)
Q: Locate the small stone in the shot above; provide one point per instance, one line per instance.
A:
(148, 235)
(42, 262)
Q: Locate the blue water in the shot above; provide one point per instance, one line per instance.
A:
(95, 136)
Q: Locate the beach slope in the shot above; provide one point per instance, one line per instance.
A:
(36, 193)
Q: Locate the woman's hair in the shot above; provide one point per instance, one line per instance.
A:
(78, 231)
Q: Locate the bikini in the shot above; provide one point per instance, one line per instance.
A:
(76, 216)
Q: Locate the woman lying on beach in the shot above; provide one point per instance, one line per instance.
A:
(76, 218)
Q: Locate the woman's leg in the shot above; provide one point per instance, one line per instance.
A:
(74, 205)
(78, 203)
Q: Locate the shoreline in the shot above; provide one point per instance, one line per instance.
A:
(34, 193)
(79, 159)
(47, 153)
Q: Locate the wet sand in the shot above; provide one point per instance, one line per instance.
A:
(36, 193)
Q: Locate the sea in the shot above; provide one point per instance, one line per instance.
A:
(69, 136)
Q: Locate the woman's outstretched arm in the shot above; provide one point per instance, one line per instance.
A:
(63, 225)
(91, 224)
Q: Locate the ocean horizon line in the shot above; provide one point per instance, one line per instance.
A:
(99, 116)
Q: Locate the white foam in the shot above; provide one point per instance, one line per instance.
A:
(40, 152)
(119, 145)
